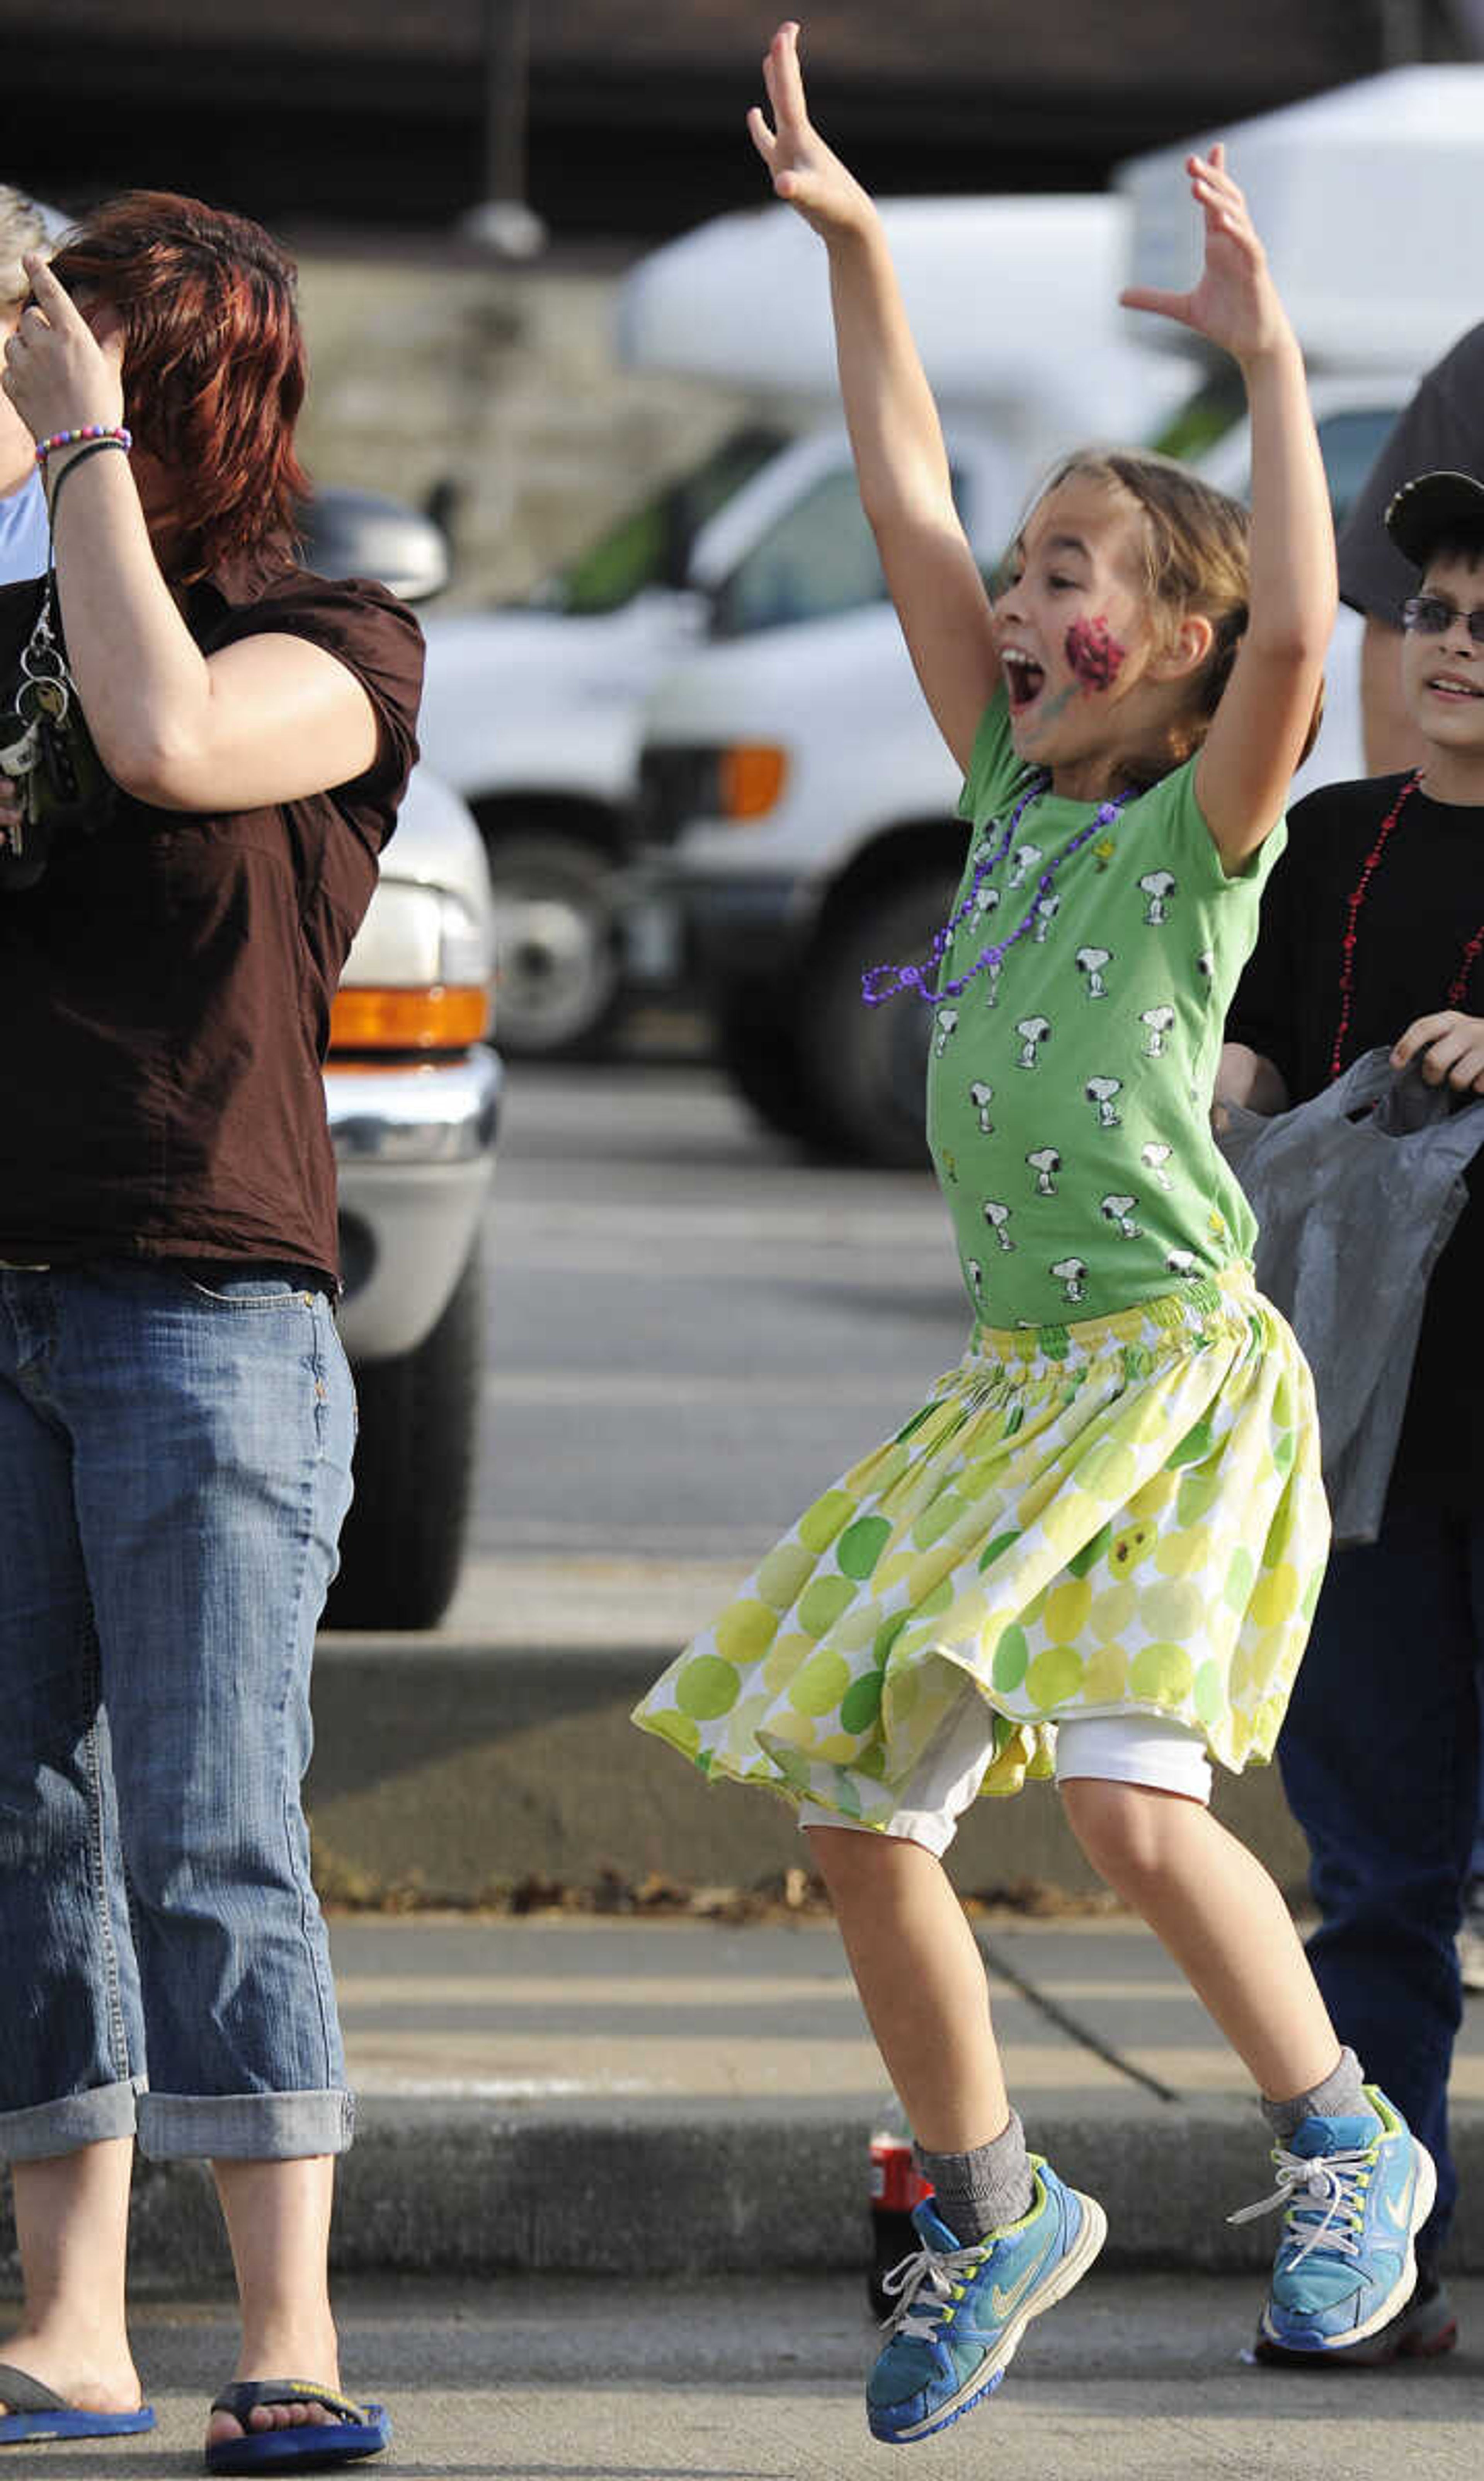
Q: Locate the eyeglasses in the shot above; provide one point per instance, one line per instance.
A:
(1431, 616)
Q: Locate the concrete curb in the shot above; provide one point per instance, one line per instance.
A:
(459, 2189)
(458, 1766)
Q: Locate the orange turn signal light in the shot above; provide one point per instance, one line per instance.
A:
(441, 1018)
(753, 775)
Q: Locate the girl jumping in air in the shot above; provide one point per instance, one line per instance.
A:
(1095, 1549)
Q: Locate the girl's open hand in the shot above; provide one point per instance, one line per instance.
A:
(1235, 303)
(57, 374)
(805, 174)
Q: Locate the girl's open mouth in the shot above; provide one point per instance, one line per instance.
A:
(1024, 679)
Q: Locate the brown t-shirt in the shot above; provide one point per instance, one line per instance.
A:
(165, 987)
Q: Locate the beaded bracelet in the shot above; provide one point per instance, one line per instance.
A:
(89, 448)
(113, 431)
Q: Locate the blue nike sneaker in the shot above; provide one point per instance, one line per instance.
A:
(961, 2311)
(1354, 2192)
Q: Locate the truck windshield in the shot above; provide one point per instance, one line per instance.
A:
(651, 546)
(1350, 438)
(817, 560)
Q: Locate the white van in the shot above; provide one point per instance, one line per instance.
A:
(854, 858)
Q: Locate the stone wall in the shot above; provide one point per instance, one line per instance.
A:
(502, 382)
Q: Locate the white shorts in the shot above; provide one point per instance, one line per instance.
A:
(1146, 1749)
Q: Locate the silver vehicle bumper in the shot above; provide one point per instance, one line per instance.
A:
(414, 1146)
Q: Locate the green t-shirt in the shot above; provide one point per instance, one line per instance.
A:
(1069, 1094)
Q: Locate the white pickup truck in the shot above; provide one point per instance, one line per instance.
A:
(796, 798)
(413, 1089)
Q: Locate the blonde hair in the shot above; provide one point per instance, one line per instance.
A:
(22, 228)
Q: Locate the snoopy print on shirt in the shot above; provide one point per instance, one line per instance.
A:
(1069, 1081)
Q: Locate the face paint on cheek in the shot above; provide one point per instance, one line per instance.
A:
(1093, 654)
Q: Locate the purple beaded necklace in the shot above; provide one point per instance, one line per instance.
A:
(915, 978)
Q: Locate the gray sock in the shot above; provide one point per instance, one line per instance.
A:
(980, 2192)
(1339, 2097)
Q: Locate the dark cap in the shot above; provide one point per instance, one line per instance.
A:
(1426, 511)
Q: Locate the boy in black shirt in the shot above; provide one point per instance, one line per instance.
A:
(1373, 934)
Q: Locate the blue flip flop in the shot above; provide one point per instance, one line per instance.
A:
(35, 2413)
(313, 2447)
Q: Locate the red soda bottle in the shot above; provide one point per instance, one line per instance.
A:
(897, 2186)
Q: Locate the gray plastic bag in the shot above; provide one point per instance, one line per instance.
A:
(1355, 1195)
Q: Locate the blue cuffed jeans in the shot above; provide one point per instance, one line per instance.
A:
(1380, 1759)
(174, 1470)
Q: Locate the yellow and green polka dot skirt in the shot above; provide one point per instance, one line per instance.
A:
(1117, 1517)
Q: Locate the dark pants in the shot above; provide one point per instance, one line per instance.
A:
(1380, 1759)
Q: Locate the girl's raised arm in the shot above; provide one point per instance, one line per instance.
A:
(1257, 739)
(895, 433)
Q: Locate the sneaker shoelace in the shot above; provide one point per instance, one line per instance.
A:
(931, 2270)
(1319, 2194)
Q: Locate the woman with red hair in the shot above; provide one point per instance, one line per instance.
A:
(206, 754)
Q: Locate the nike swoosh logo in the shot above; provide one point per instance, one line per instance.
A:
(1398, 2216)
(1006, 2303)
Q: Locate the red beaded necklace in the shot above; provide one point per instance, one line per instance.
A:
(1347, 945)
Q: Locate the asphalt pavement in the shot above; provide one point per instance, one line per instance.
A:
(690, 1330)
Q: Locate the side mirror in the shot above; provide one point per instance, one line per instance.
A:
(359, 534)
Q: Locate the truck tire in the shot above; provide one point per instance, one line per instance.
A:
(867, 1066)
(757, 1047)
(402, 1544)
(560, 947)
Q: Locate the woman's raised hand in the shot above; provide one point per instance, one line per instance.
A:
(57, 373)
(806, 173)
(1235, 302)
